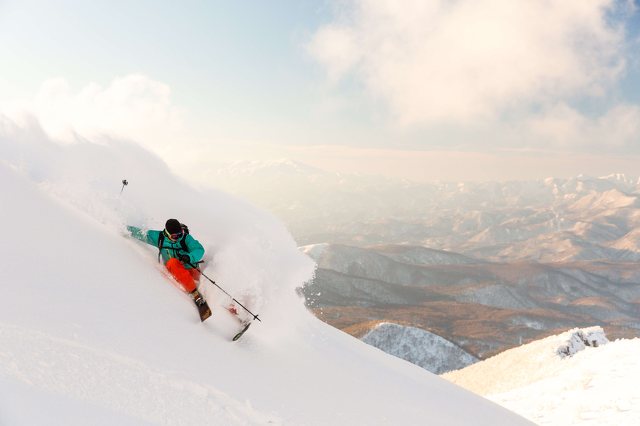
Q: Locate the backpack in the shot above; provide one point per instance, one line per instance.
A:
(183, 243)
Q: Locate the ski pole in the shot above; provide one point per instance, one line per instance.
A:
(255, 317)
(124, 183)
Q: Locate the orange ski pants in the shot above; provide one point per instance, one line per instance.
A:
(187, 278)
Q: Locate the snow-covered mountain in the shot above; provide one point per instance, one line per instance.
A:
(576, 377)
(419, 347)
(93, 332)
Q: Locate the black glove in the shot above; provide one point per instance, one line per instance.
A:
(184, 258)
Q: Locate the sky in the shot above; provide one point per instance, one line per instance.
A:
(425, 90)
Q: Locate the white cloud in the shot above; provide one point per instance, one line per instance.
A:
(134, 107)
(467, 61)
(561, 125)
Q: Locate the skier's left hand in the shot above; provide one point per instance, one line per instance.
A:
(184, 258)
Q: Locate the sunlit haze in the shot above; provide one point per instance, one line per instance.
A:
(423, 90)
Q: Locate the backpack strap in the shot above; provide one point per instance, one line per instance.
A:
(183, 243)
(183, 240)
(160, 243)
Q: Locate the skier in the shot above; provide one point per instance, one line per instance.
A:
(179, 252)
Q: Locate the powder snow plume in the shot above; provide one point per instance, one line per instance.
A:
(248, 252)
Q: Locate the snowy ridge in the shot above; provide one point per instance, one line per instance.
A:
(315, 251)
(420, 347)
(93, 332)
(516, 367)
(595, 385)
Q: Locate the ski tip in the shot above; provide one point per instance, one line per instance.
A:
(205, 315)
(241, 332)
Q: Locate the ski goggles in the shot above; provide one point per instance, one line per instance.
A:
(174, 237)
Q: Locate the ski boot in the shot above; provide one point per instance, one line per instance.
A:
(197, 297)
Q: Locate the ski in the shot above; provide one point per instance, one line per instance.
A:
(203, 310)
(203, 307)
(242, 331)
(244, 325)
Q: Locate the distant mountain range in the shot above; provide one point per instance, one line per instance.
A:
(483, 307)
(550, 220)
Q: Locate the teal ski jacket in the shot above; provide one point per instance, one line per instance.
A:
(169, 248)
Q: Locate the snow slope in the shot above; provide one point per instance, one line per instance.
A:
(93, 332)
(594, 385)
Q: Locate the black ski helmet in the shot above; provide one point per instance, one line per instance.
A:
(173, 226)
